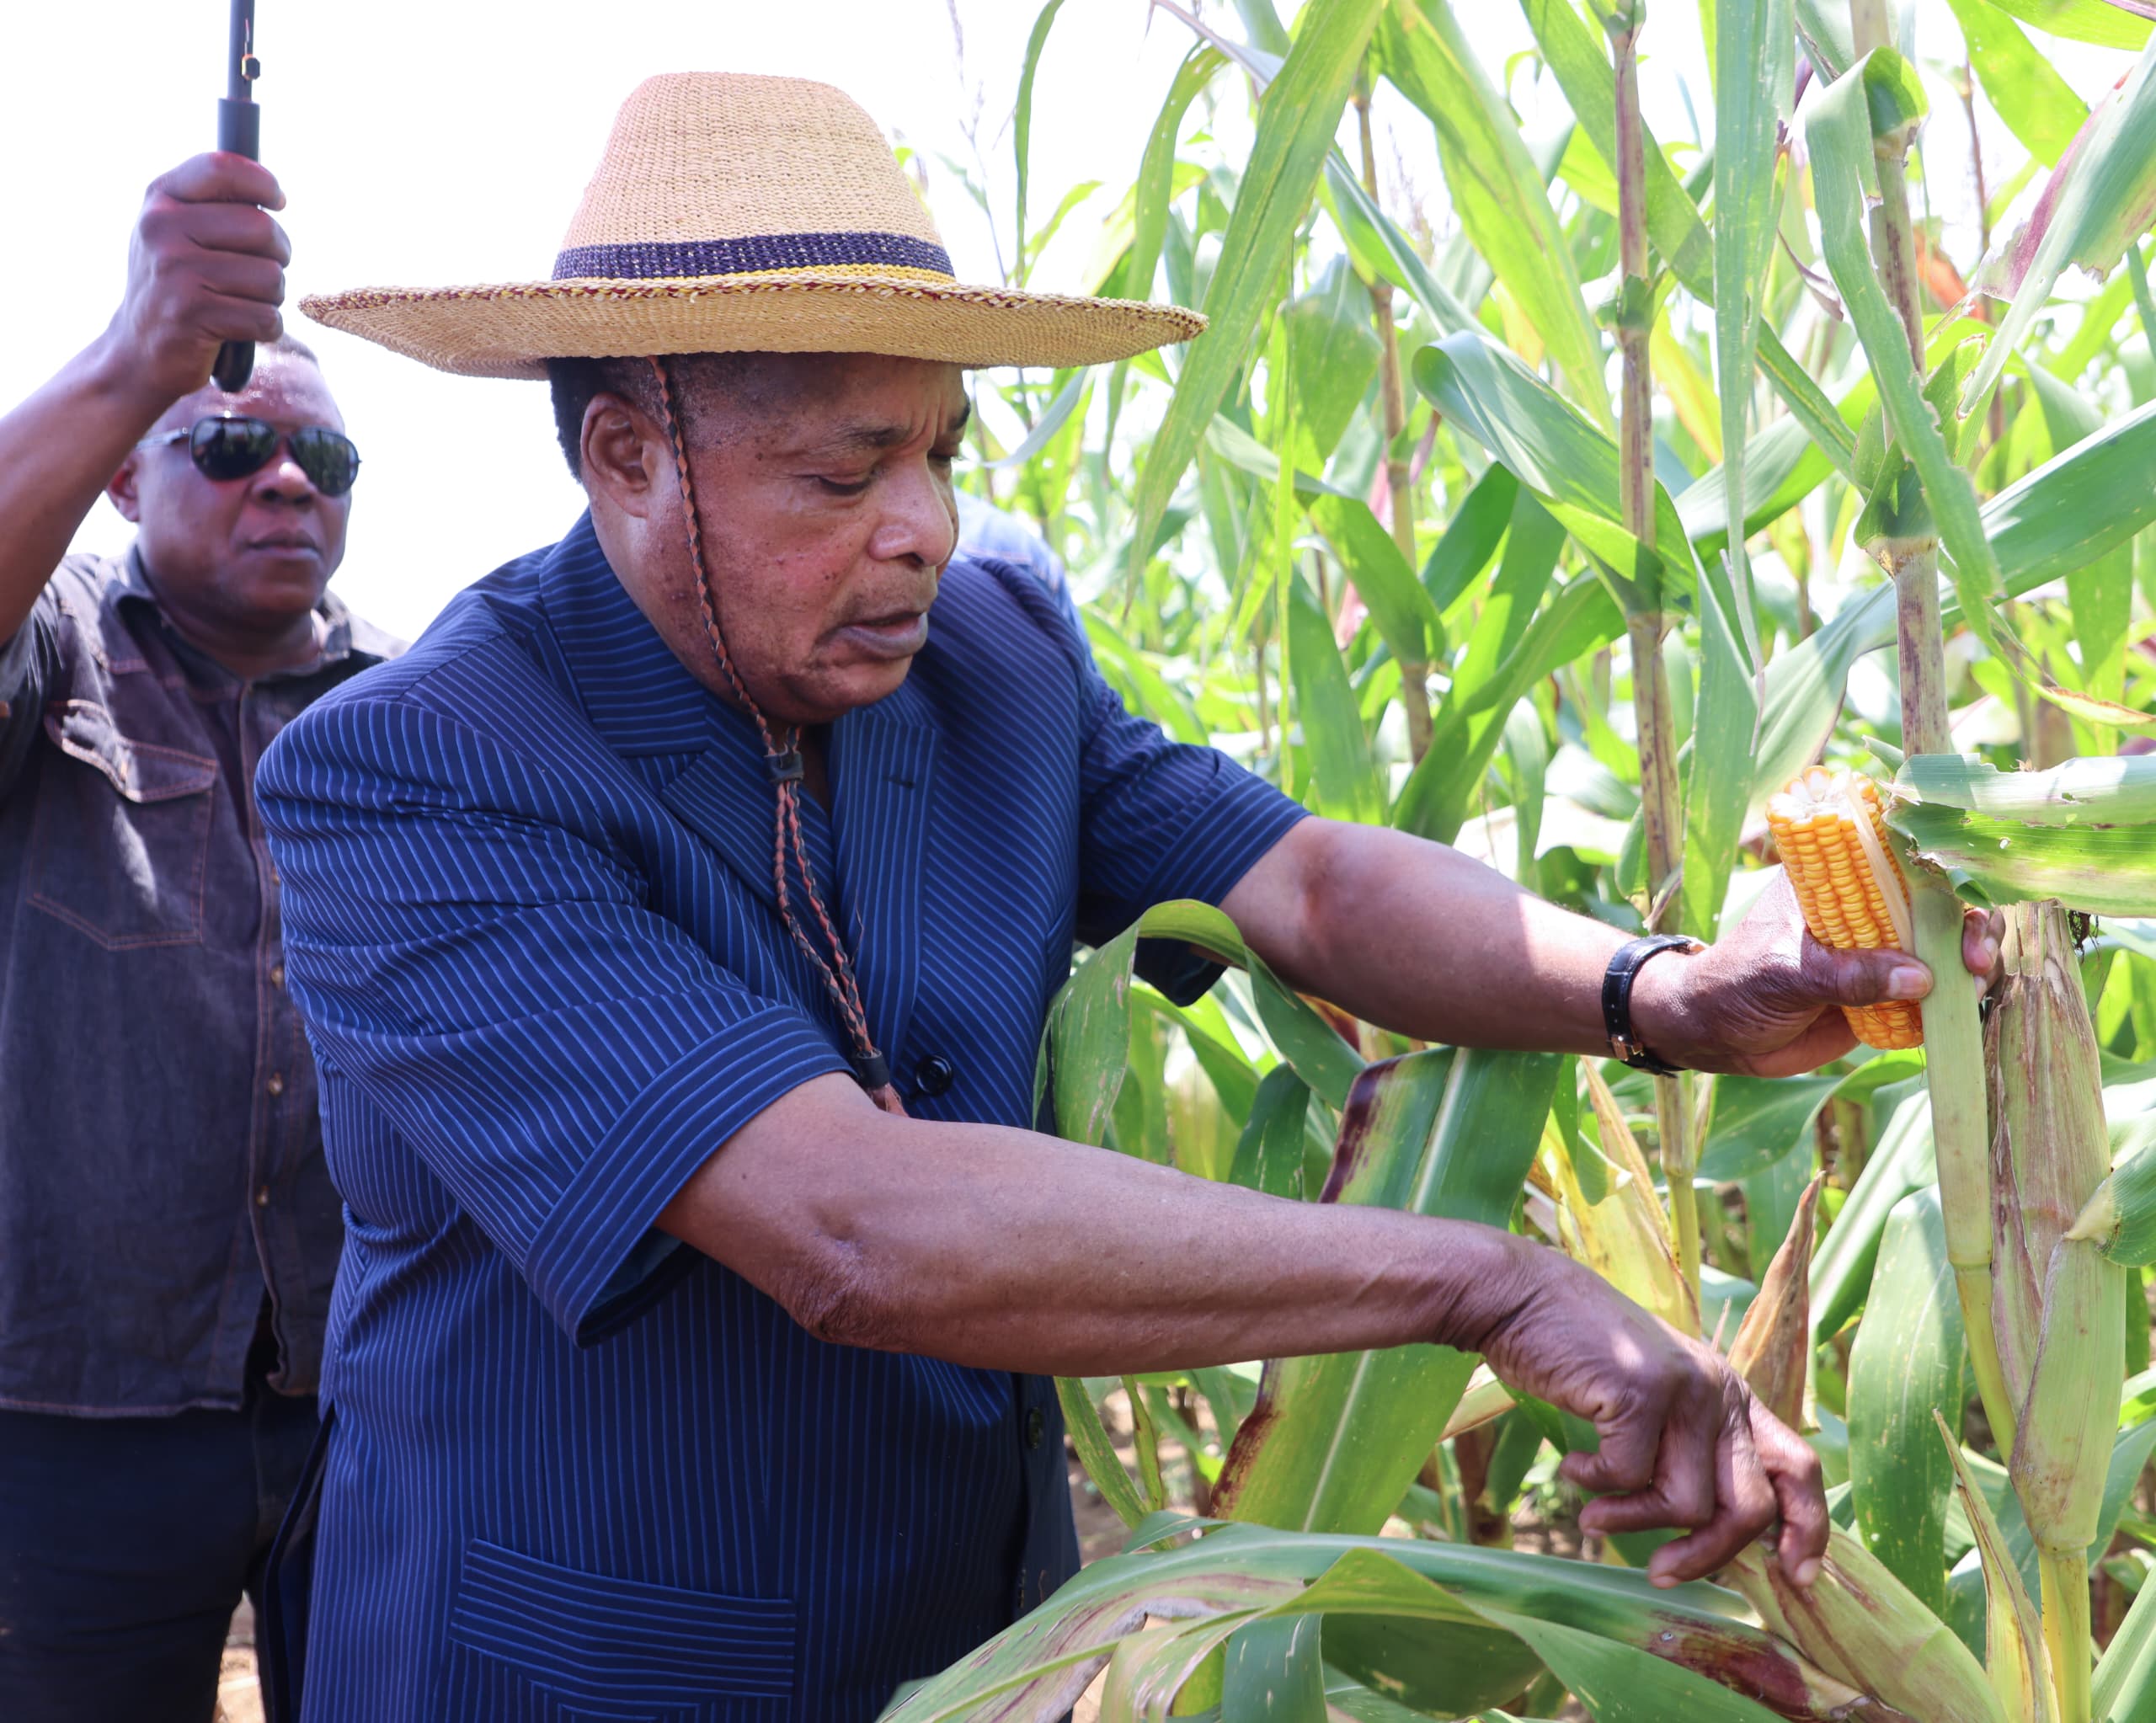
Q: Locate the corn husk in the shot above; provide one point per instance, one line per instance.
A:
(2057, 1305)
(1773, 1348)
(1862, 1626)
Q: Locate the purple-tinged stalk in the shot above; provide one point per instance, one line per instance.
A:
(1661, 808)
(1399, 470)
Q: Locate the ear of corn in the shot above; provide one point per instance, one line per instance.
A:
(1862, 1626)
(1831, 834)
(2058, 1304)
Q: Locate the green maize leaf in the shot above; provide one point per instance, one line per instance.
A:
(1760, 1121)
(1378, 1627)
(1496, 189)
(2124, 1689)
(1296, 121)
(2100, 199)
(1470, 538)
(1581, 66)
(2106, 25)
(1085, 1051)
(1039, 1666)
(1060, 410)
(1151, 197)
(1434, 801)
(2120, 1216)
(1275, 1673)
(1346, 781)
(1081, 1420)
(1843, 168)
(1906, 1364)
(1782, 466)
(1398, 603)
(2038, 105)
(1619, 1685)
(1269, 1156)
(1022, 118)
(2058, 519)
(2130, 1453)
(1569, 462)
(1335, 1441)
(2111, 791)
(1755, 46)
(2076, 506)
(1718, 780)
(2013, 1636)
(1842, 1268)
(1379, 248)
(1824, 29)
(2103, 869)
(2099, 593)
(1333, 352)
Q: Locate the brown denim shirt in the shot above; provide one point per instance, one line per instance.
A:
(161, 1163)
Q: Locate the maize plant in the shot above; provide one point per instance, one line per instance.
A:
(1644, 446)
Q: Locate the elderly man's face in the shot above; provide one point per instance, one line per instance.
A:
(824, 486)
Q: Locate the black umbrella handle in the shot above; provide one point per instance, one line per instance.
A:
(239, 131)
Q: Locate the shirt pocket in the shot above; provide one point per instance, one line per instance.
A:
(606, 1647)
(119, 838)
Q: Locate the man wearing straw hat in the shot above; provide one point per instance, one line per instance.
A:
(675, 926)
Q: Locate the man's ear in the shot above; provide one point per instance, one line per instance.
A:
(622, 454)
(124, 488)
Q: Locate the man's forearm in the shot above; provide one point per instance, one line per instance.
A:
(1009, 1250)
(1420, 938)
(57, 449)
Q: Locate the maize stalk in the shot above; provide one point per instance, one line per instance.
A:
(2058, 1303)
(1856, 1622)
(1831, 832)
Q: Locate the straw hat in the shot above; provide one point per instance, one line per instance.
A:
(734, 213)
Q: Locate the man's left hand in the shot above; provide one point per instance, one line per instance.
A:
(1764, 999)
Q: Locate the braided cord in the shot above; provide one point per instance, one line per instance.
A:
(782, 759)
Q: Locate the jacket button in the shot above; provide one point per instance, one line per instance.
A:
(1036, 1427)
(934, 1075)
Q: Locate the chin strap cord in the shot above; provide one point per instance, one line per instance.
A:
(783, 763)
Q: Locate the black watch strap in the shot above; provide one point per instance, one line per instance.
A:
(1617, 999)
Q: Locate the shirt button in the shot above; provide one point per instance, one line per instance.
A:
(934, 1075)
(1036, 1427)
(276, 974)
(276, 1084)
(262, 1196)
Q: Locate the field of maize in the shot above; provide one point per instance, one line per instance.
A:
(1640, 500)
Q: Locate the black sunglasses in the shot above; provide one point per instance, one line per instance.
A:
(227, 446)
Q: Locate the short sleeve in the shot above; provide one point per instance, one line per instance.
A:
(473, 952)
(28, 664)
(1161, 820)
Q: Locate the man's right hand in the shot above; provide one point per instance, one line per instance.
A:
(206, 265)
(1684, 1441)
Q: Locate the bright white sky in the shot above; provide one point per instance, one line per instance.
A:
(434, 143)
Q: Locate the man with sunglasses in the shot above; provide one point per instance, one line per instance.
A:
(168, 1235)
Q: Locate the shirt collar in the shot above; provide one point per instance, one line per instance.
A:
(639, 696)
(343, 635)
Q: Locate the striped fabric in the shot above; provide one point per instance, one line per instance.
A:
(577, 1471)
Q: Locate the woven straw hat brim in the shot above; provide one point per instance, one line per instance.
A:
(511, 330)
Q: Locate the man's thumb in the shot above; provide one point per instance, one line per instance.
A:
(1863, 978)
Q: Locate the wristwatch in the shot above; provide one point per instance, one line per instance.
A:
(1624, 964)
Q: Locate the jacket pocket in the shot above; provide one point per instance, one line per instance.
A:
(618, 1645)
(121, 835)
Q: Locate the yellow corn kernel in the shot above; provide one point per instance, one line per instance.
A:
(1831, 834)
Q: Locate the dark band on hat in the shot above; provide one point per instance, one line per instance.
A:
(652, 259)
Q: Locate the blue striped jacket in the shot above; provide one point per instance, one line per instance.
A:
(577, 1470)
